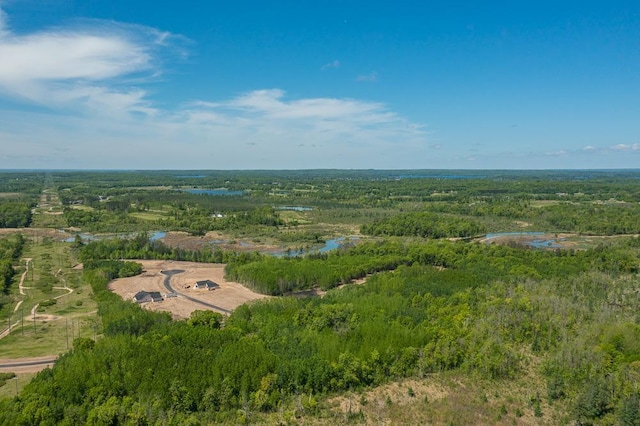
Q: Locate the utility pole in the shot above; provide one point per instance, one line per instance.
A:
(66, 327)
(22, 318)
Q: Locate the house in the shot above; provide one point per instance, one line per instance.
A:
(147, 296)
(156, 296)
(142, 297)
(208, 284)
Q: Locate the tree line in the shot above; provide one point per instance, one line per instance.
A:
(425, 225)
(15, 214)
(10, 252)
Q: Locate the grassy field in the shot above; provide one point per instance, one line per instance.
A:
(46, 337)
(293, 216)
(71, 313)
(48, 219)
(148, 216)
(48, 213)
(14, 386)
(82, 207)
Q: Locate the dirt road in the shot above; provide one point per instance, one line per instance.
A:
(26, 365)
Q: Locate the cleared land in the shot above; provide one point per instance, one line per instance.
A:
(228, 296)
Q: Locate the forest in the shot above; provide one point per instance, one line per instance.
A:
(417, 296)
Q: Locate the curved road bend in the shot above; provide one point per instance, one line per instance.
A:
(167, 285)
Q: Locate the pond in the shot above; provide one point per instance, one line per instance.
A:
(86, 237)
(509, 234)
(550, 243)
(295, 208)
(329, 245)
(158, 235)
(540, 243)
(83, 237)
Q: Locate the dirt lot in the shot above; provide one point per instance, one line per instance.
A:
(227, 297)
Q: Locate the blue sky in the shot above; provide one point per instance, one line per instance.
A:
(319, 84)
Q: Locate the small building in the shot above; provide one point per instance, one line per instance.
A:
(156, 296)
(206, 284)
(147, 296)
(142, 297)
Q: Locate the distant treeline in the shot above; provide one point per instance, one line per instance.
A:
(425, 225)
(199, 221)
(15, 214)
(104, 221)
(10, 251)
(113, 216)
(609, 218)
(21, 182)
(141, 247)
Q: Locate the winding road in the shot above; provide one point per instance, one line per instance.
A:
(7, 331)
(34, 313)
(167, 284)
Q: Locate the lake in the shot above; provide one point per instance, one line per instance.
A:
(539, 243)
(295, 208)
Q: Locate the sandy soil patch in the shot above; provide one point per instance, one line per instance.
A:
(229, 296)
(398, 392)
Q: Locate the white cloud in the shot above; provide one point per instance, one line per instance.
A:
(97, 115)
(333, 64)
(559, 153)
(87, 66)
(267, 115)
(625, 147)
(371, 77)
(64, 56)
(270, 103)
